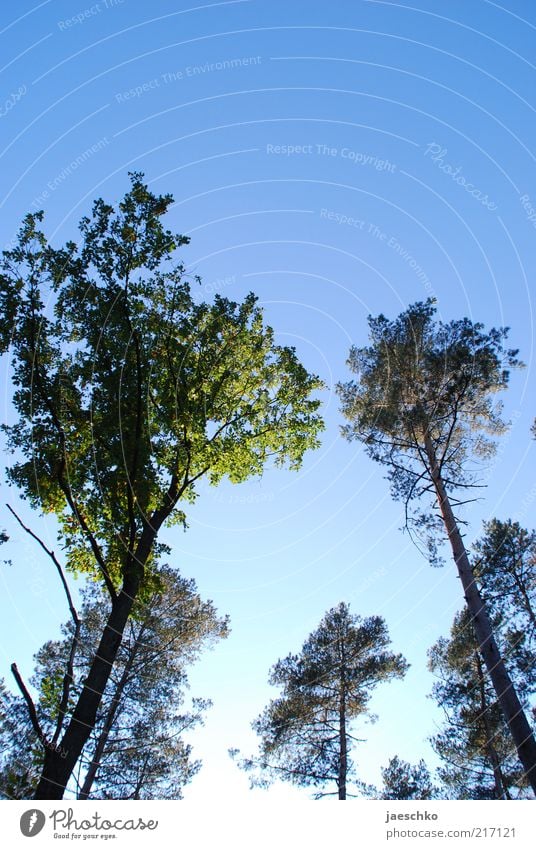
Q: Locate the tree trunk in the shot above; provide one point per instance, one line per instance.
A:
(500, 784)
(343, 742)
(60, 763)
(502, 683)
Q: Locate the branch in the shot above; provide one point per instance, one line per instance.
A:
(69, 674)
(30, 705)
(66, 489)
(54, 559)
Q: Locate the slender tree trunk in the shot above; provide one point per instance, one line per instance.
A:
(60, 763)
(502, 683)
(343, 742)
(500, 784)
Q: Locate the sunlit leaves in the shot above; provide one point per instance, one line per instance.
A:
(128, 391)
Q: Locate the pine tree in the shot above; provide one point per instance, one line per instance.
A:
(423, 406)
(136, 749)
(505, 566)
(402, 780)
(305, 735)
(479, 759)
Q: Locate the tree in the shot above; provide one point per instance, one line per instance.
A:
(136, 749)
(479, 761)
(423, 406)
(127, 394)
(402, 780)
(305, 733)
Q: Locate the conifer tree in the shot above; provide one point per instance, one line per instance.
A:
(423, 405)
(479, 758)
(305, 733)
(137, 748)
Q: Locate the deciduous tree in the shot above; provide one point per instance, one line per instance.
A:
(127, 393)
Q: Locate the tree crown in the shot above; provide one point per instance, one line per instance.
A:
(128, 391)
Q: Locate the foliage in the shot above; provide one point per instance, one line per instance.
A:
(420, 378)
(127, 393)
(402, 780)
(127, 390)
(505, 565)
(21, 756)
(304, 733)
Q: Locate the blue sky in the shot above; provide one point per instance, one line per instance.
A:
(338, 159)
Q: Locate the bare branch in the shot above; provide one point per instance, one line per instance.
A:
(30, 705)
(54, 559)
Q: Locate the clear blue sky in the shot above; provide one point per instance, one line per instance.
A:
(338, 159)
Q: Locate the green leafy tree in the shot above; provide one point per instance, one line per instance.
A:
(305, 733)
(136, 749)
(127, 394)
(402, 780)
(479, 760)
(423, 405)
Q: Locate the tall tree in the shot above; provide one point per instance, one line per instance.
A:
(305, 733)
(479, 760)
(136, 749)
(127, 394)
(423, 406)
(402, 780)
